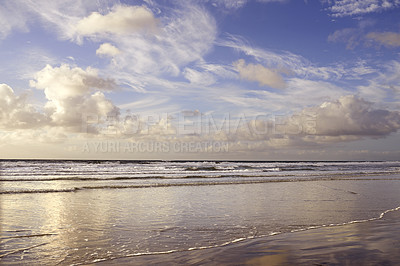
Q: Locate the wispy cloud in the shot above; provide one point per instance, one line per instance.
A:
(11, 18)
(389, 39)
(182, 38)
(341, 8)
(292, 63)
(350, 36)
(144, 103)
(237, 4)
(196, 77)
(353, 36)
(58, 16)
(281, 59)
(384, 86)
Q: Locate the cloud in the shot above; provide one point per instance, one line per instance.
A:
(299, 92)
(108, 50)
(264, 76)
(291, 63)
(148, 102)
(74, 19)
(199, 78)
(350, 117)
(16, 112)
(29, 137)
(183, 37)
(11, 18)
(391, 78)
(151, 45)
(384, 87)
(121, 20)
(65, 82)
(304, 92)
(351, 36)
(390, 39)
(222, 71)
(359, 70)
(229, 4)
(237, 4)
(271, 1)
(341, 8)
(284, 59)
(69, 94)
(59, 16)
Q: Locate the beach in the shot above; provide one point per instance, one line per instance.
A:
(374, 242)
(215, 213)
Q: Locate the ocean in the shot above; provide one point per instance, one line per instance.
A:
(77, 212)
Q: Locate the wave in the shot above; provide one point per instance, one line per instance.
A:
(202, 168)
(200, 183)
(274, 169)
(9, 252)
(77, 178)
(25, 191)
(136, 254)
(76, 189)
(28, 236)
(275, 173)
(347, 223)
(241, 239)
(298, 169)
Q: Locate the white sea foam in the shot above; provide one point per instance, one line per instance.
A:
(50, 176)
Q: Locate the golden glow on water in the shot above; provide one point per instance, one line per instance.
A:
(271, 260)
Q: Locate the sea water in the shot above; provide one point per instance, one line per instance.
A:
(80, 212)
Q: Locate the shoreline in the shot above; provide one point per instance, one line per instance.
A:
(370, 242)
(182, 219)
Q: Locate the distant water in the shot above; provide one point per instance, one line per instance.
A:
(78, 212)
(38, 176)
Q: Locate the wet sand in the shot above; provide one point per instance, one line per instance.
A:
(205, 225)
(374, 242)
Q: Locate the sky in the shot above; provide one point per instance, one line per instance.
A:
(205, 79)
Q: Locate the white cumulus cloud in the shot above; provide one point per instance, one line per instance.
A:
(107, 49)
(16, 112)
(70, 97)
(352, 116)
(348, 118)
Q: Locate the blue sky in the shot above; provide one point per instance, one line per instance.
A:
(266, 80)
